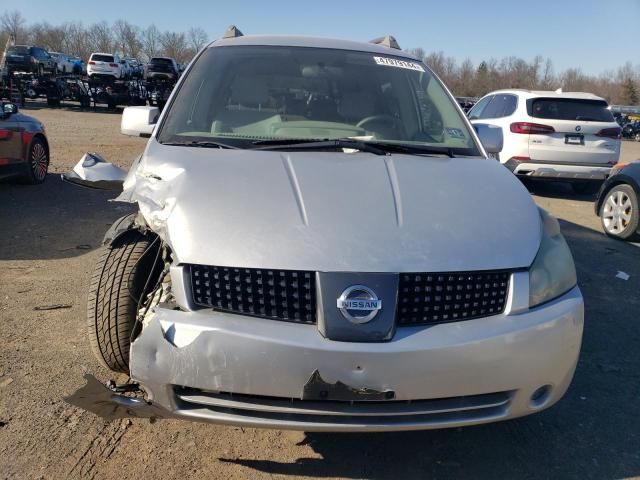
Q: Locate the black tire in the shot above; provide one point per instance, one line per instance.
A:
(37, 162)
(586, 188)
(630, 230)
(123, 269)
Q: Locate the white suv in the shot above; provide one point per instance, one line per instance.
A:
(105, 65)
(568, 136)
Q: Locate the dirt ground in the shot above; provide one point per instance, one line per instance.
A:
(49, 236)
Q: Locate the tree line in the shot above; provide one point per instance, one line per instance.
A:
(621, 86)
(122, 37)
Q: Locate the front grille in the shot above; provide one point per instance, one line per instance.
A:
(294, 411)
(288, 295)
(426, 298)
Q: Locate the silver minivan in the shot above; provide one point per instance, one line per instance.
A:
(322, 244)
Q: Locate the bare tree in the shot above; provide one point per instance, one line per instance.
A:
(150, 39)
(197, 38)
(548, 78)
(175, 45)
(14, 23)
(128, 38)
(48, 36)
(76, 40)
(101, 38)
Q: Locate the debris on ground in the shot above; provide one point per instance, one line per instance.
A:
(53, 307)
(6, 382)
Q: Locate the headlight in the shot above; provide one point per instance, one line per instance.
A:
(553, 272)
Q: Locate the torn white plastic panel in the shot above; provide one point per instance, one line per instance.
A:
(95, 172)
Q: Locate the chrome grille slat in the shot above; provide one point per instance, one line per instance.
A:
(284, 406)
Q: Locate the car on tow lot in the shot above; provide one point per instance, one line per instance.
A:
(24, 150)
(323, 244)
(31, 59)
(64, 63)
(568, 136)
(632, 131)
(162, 68)
(106, 65)
(617, 202)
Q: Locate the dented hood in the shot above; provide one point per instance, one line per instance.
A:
(335, 211)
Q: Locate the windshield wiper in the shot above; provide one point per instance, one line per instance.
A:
(200, 144)
(325, 144)
(375, 147)
(412, 149)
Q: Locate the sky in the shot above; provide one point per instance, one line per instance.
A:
(593, 35)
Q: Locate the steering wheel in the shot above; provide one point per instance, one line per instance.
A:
(382, 118)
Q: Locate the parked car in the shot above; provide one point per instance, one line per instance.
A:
(632, 131)
(136, 67)
(162, 68)
(24, 150)
(25, 58)
(106, 65)
(64, 64)
(569, 136)
(79, 67)
(617, 202)
(322, 244)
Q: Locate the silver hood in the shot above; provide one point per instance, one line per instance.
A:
(335, 211)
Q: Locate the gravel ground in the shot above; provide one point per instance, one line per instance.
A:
(49, 238)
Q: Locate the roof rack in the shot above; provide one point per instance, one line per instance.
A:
(232, 32)
(388, 41)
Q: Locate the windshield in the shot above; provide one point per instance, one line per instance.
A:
(18, 50)
(240, 95)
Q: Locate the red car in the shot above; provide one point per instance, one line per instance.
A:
(24, 150)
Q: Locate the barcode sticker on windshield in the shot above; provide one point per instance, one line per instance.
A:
(394, 62)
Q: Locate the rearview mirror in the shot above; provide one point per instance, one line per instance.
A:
(93, 171)
(139, 121)
(490, 136)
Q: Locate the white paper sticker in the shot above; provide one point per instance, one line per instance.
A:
(394, 62)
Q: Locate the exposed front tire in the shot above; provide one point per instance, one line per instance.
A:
(123, 269)
(37, 162)
(619, 212)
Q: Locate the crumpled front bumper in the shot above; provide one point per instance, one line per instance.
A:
(231, 369)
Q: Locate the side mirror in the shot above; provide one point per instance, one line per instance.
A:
(139, 121)
(9, 109)
(490, 136)
(93, 171)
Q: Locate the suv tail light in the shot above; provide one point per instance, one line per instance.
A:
(531, 128)
(614, 133)
(91, 62)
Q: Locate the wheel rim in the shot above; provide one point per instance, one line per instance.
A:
(617, 212)
(39, 161)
